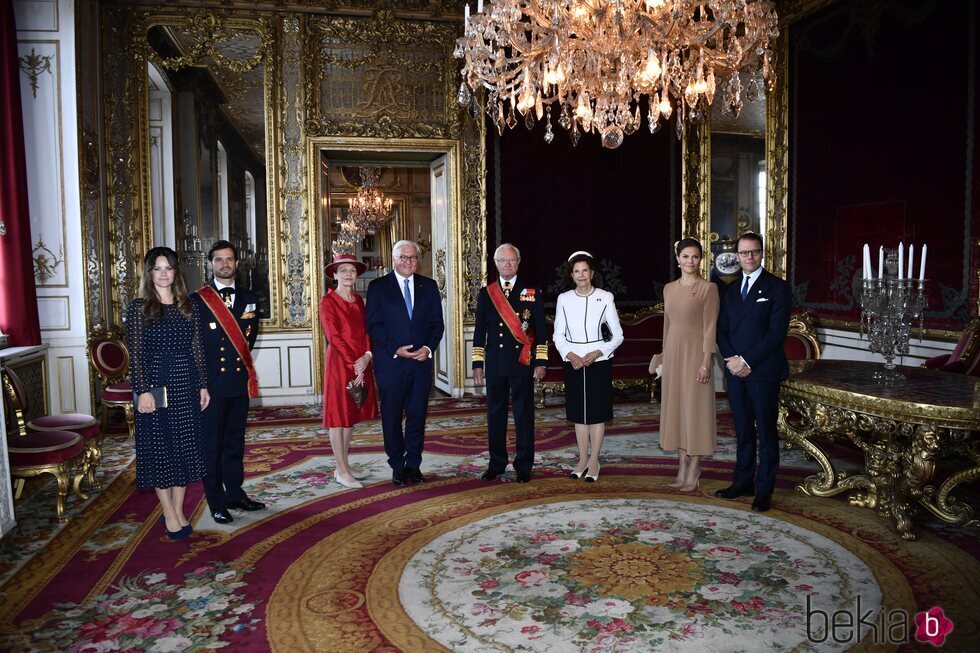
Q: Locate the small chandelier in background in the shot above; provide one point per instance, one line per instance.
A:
(347, 238)
(370, 209)
(591, 61)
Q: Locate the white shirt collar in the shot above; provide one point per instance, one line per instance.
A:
(753, 277)
(401, 279)
(512, 281)
(219, 285)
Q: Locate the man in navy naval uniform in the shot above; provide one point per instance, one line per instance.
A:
(752, 327)
(228, 377)
(510, 351)
(404, 320)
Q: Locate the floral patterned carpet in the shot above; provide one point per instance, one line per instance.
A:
(624, 564)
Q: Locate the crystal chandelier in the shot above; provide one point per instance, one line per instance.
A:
(347, 238)
(370, 209)
(592, 61)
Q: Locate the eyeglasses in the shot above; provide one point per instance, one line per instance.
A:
(506, 261)
(750, 252)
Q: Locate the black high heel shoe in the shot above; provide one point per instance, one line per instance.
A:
(578, 473)
(182, 534)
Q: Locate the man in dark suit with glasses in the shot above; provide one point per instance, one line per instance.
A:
(404, 320)
(752, 327)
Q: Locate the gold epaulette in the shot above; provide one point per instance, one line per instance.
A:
(479, 354)
(541, 352)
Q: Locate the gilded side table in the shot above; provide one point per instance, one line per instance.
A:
(902, 431)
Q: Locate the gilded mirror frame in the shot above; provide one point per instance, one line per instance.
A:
(130, 220)
(696, 158)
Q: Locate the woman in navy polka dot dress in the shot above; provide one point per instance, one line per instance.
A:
(165, 350)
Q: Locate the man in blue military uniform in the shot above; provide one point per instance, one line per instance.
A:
(229, 367)
(510, 350)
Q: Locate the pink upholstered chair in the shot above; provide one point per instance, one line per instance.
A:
(801, 341)
(965, 357)
(80, 423)
(59, 453)
(109, 357)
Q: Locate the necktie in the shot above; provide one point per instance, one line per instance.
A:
(408, 299)
(226, 294)
(507, 289)
(745, 288)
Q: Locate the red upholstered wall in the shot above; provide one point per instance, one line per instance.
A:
(621, 205)
(883, 113)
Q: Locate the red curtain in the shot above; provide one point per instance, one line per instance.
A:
(18, 299)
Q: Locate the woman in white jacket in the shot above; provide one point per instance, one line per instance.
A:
(587, 332)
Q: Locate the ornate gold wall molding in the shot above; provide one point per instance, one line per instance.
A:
(777, 161)
(380, 77)
(696, 184)
(296, 214)
(389, 75)
(472, 239)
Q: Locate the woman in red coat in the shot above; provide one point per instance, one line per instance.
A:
(348, 359)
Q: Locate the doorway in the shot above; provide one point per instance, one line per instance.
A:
(419, 179)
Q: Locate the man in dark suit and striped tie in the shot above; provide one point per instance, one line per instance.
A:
(404, 320)
(752, 327)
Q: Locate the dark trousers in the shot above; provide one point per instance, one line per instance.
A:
(521, 393)
(404, 391)
(224, 450)
(755, 407)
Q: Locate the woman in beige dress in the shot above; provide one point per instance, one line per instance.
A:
(687, 415)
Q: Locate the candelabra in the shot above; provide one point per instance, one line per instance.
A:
(889, 306)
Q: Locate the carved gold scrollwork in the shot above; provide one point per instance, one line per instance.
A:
(899, 460)
(777, 161)
(380, 77)
(205, 34)
(697, 183)
(441, 271)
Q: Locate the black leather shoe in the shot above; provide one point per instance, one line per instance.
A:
(399, 476)
(524, 476)
(245, 504)
(489, 475)
(762, 503)
(415, 475)
(732, 492)
(222, 516)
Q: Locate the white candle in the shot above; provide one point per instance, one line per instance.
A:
(922, 263)
(911, 256)
(881, 262)
(479, 6)
(866, 261)
(466, 16)
(901, 259)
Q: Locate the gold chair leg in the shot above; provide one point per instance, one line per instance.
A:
(130, 420)
(19, 484)
(62, 494)
(93, 454)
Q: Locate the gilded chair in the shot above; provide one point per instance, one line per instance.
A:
(801, 341)
(80, 423)
(109, 357)
(965, 357)
(59, 453)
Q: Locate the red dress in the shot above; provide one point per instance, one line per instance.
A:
(347, 340)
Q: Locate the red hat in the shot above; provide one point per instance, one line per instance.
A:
(340, 259)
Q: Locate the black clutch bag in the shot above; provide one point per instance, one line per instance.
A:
(159, 396)
(605, 332)
(356, 392)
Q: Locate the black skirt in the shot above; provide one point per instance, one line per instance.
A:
(588, 393)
